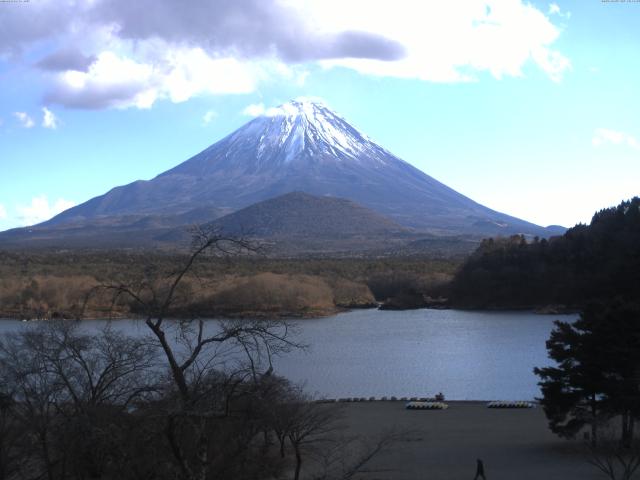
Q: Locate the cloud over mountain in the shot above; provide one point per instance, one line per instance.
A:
(40, 209)
(119, 53)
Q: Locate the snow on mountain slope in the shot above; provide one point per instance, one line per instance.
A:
(298, 131)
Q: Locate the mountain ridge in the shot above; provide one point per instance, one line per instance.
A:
(301, 146)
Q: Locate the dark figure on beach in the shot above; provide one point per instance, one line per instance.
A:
(480, 471)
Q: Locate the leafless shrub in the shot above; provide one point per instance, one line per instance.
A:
(611, 457)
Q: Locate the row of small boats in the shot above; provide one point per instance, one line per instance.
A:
(416, 403)
(443, 406)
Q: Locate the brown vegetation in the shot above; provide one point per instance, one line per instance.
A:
(50, 285)
(44, 296)
(275, 293)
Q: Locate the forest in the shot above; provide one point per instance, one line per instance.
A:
(589, 262)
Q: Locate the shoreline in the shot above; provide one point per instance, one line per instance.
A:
(218, 316)
(303, 315)
(404, 400)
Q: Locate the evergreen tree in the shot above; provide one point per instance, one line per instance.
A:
(572, 391)
(598, 261)
(597, 375)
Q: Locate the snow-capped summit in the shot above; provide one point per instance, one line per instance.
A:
(301, 146)
(300, 131)
(308, 125)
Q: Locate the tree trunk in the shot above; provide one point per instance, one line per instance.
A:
(203, 451)
(298, 461)
(594, 422)
(45, 452)
(627, 421)
(175, 447)
(176, 371)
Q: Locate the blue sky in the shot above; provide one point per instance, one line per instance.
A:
(528, 108)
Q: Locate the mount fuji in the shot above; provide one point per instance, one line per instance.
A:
(300, 146)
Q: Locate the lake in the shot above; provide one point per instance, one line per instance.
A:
(467, 355)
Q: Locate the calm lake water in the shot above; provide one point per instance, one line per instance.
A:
(464, 354)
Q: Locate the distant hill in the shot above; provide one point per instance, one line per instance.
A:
(297, 222)
(301, 214)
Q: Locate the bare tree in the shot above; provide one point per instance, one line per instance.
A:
(193, 400)
(310, 424)
(306, 424)
(346, 457)
(36, 393)
(10, 433)
(64, 384)
(616, 459)
(196, 351)
(156, 295)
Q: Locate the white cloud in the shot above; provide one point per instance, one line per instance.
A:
(554, 9)
(25, 120)
(293, 74)
(208, 117)
(110, 81)
(189, 72)
(49, 120)
(605, 136)
(116, 54)
(288, 108)
(452, 41)
(301, 77)
(40, 210)
(254, 110)
(311, 98)
(119, 81)
(3, 212)
(258, 109)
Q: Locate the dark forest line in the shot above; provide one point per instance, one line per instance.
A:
(591, 262)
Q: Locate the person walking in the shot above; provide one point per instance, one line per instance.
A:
(479, 470)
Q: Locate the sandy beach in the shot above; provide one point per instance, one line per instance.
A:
(514, 444)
